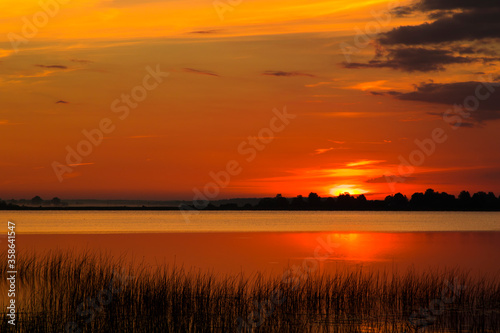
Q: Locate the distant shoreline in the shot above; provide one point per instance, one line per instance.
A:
(126, 208)
(429, 201)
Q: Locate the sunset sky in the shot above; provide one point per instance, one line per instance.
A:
(361, 81)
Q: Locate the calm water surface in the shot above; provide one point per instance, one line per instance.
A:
(95, 222)
(229, 242)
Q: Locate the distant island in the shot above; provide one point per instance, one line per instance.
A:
(430, 200)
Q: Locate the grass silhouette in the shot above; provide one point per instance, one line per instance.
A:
(92, 292)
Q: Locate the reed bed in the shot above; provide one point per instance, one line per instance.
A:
(66, 292)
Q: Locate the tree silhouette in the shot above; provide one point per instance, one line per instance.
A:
(329, 203)
(277, 203)
(313, 200)
(55, 201)
(265, 204)
(397, 202)
(430, 199)
(280, 202)
(36, 200)
(417, 201)
(346, 201)
(483, 201)
(361, 202)
(491, 200)
(464, 196)
(464, 200)
(298, 203)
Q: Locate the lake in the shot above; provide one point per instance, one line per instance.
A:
(340, 271)
(98, 222)
(270, 241)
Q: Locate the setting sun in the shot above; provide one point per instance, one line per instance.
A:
(351, 189)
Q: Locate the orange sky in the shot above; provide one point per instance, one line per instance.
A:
(228, 68)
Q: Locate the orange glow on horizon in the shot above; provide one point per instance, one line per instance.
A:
(342, 189)
(226, 76)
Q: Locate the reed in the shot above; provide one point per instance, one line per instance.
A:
(90, 292)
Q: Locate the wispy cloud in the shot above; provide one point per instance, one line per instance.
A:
(363, 86)
(351, 114)
(364, 162)
(40, 74)
(411, 59)
(81, 61)
(383, 142)
(52, 66)
(213, 31)
(322, 150)
(286, 74)
(325, 150)
(318, 84)
(199, 71)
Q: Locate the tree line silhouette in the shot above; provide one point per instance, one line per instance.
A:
(35, 201)
(430, 200)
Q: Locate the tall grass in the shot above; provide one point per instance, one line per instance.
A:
(55, 292)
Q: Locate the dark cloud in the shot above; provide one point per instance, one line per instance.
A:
(451, 93)
(288, 74)
(52, 66)
(471, 25)
(199, 71)
(415, 59)
(439, 14)
(62, 102)
(393, 93)
(440, 8)
(484, 95)
(439, 42)
(402, 11)
(429, 5)
(473, 50)
(384, 93)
